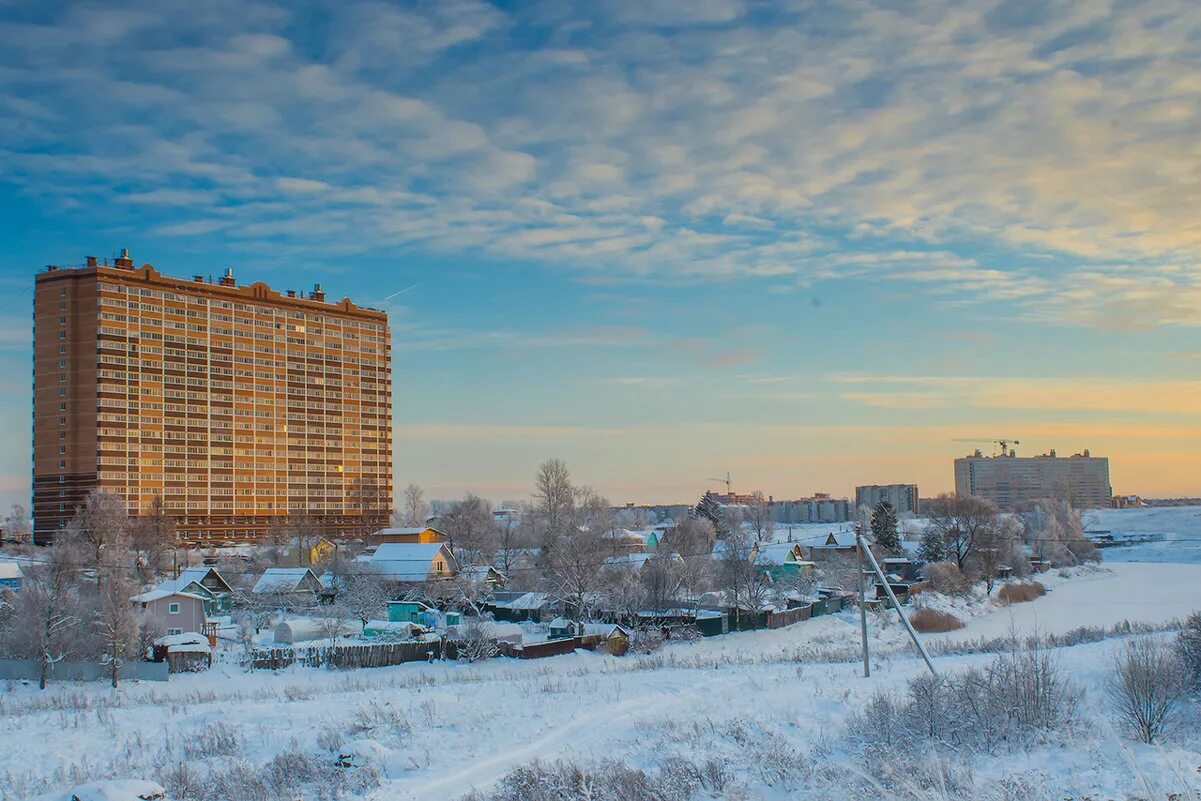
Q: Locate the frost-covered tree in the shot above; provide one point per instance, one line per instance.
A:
(739, 575)
(470, 529)
(554, 503)
(17, 525)
(758, 517)
(575, 569)
(707, 508)
(932, 548)
(1188, 650)
(117, 624)
(152, 536)
(44, 625)
(884, 527)
(1148, 688)
(415, 509)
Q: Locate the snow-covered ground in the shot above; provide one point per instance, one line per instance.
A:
(770, 706)
(748, 699)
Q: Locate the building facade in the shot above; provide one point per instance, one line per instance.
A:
(1013, 482)
(820, 508)
(903, 497)
(238, 405)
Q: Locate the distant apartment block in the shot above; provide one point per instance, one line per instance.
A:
(1013, 481)
(237, 404)
(903, 497)
(820, 508)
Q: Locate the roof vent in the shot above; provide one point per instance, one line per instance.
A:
(318, 293)
(123, 261)
(228, 278)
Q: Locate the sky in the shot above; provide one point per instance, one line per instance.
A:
(808, 243)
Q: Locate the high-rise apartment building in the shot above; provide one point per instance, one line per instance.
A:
(1013, 482)
(903, 497)
(238, 405)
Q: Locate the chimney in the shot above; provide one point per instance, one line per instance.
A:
(1086, 453)
(198, 279)
(123, 261)
(1052, 453)
(90, 261)
(228, 278)
(318, 293)
(291, 293)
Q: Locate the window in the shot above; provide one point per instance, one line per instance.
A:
(62, 449)
(62, 348)
(62, 407)
(173, 632)
(62, 465)
(173, 609)
(62, 292)
(62, 392)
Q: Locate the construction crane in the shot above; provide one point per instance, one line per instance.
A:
(1004, 442)
(727, 482)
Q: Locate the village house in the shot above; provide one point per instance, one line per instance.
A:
(834, 544)
(414, 561)
(484, 574)
(783, 559)
(205, 582)
(309, 552)
(424, 535)
(177, 612)
(287, 581)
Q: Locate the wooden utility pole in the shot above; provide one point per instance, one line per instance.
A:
(861, 542)
(867, 670)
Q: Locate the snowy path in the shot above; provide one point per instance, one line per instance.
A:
(580, 733)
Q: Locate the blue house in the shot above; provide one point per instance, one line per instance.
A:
(10, 576)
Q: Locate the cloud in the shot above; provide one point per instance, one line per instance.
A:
(1046, 162)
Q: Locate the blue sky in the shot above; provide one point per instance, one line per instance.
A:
(808, 243)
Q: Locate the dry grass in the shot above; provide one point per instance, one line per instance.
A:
(1020, 593)
(932, 621)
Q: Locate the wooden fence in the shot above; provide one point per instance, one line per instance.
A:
(778, 620)
(352, 655)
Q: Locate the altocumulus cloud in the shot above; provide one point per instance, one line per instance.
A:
(1040, 153)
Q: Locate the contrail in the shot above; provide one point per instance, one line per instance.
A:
(401, 292)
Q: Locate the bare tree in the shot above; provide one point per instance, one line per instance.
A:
(758, 517)
(471, 531)
(361, 590)
(994, 547)
(738, 575)
(331, 621)
(575, 569)
(555, 500)
(117, 624)
(1148, 688)
(1055, 533)
(415, 508)
(693, 539)
(102, 519)
(47, 613)
(962, 521)
(17, 525)
(153, 536)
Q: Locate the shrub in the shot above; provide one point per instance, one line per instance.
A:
(677, 780)
(928, 620)
(947, 578)
(1148, 688)
(1022, 592)
(1016, 697)
(1188, 650)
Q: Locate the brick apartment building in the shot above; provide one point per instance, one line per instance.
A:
(237, 404)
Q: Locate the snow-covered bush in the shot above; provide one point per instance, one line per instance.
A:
(1148, 688)
(1188, 650)
(1018, 697)
(474, 643)
(607, 781)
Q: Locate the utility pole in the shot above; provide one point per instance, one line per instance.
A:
(867, 670)
(861, 542)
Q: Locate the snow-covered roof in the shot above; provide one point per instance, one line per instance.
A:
(158, 595)
(528, 601)
(187, 638)
(282, 579)
(404, 531)
(777, 553)
(191, 575)
(407, 561)
(831, 539)
(10, 570)
(630, 560)
(478, 572)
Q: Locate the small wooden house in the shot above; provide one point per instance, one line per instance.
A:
(287, 581)
(414, 561)
(484, 574)
(177, 612)
(205, 582)
(423, 535)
